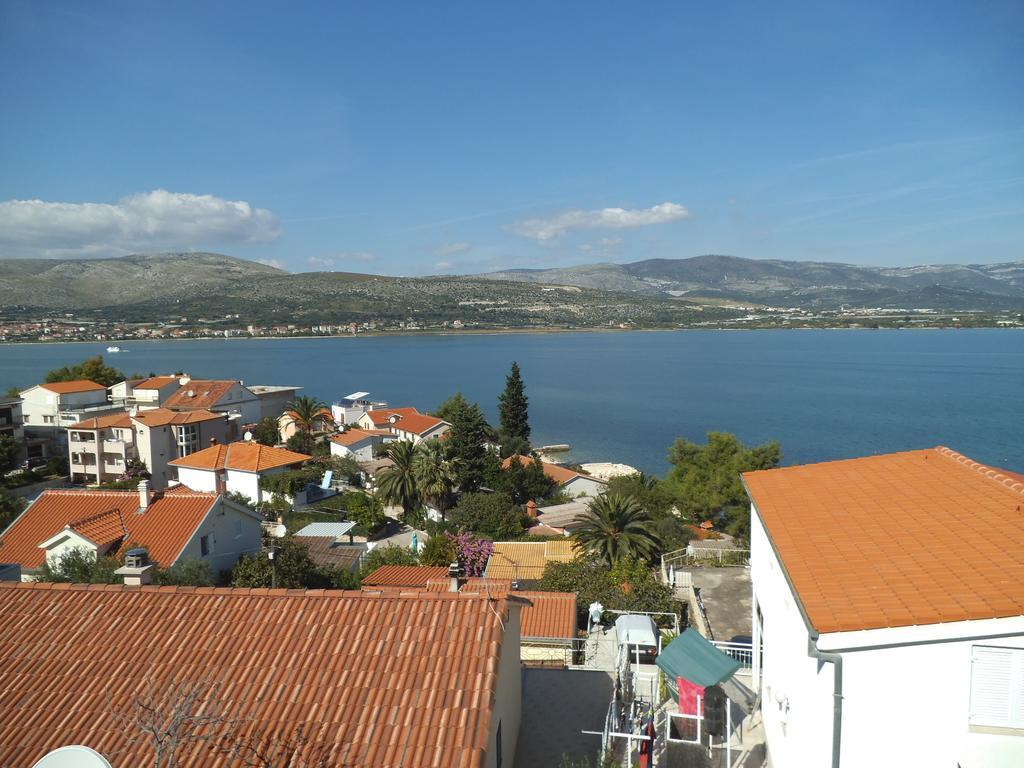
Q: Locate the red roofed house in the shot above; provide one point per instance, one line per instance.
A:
(359, 443)
(569, 481)
(235, 468)
(171, 526)
(222, 396)
(286, 425)
(48, 409)
(329, 678)
(404, 423)
(99, 448)
(888, 608)
(146, 393)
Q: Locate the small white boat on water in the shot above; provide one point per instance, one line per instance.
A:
(113, 349)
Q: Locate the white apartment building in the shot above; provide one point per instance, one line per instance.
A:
(49, 409)
(235, 468)
(888, 609)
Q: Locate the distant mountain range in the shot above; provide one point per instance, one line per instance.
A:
(805, 284)
(655, 292)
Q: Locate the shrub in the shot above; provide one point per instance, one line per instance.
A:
(389, 555)
(493, 515)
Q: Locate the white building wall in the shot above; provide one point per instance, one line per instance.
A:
(246, 483)
(358, 451)
(230, 534)
(508, 700)
(203, 480)
(584, 486)
(904, 704)
(70, 541)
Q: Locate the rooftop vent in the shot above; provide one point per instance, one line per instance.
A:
(136, 557)
(455, 572)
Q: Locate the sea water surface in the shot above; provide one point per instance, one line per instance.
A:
(627, 396)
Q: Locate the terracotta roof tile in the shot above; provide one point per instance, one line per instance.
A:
(160, 417)
(355, 435)
(164, 528)
(102, 529)
(559, 474)
(105, 422)
(69, 387)
(156, 382)
(379, 417)
(199, 394)
(526, 560)
(404, 576)
(550, 615)
(919, 537)
(243, 456)
(372, 678)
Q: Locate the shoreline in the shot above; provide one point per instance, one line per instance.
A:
(509, 332)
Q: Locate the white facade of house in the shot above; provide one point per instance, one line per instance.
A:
(50, 412)
(159, 445)
(418, 437)
(227, 533)
(582, 485)
(906, 691)
(234, 481)
(62, 542)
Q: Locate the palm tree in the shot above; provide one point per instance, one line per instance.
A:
(615, 527)
(305, 411)
(434, 474)
(397, 484)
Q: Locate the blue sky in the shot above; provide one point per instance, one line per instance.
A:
(416, 138)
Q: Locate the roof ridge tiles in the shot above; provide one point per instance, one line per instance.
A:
(983, 469)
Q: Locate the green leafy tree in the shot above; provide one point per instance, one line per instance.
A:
(301, 442)
(364, 510)
(704, 480)
(439, 550)
(493, 515)
(397, 484)
(190, 572)
(306, 412)
(389, 555)
(13, 392)
(466, 445)
(9, 452)
(648, 491)
(523, 482)
(628, 586)
(266, 432)
(434, 474)
(92, 369)
(513, 408)
(80, 566)
(617, 527)
(10, 508)
(295, 569)
(451, 406)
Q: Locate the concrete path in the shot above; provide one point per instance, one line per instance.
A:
(728, 601)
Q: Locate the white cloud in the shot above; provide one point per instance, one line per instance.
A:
(548, 228)
(333, 260)
(450, 249)
(145, 221)
(276, 263)
(443, 265)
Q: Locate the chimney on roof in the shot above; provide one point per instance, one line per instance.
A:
(531, 509)
(454, 577)
(144, 495)
(137, 570)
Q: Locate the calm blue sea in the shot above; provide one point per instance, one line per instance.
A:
(626, 396)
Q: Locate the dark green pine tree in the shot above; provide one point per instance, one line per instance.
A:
(464, 444)
(512, 409)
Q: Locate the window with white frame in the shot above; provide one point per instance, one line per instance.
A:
(997, 686)
(188, 439)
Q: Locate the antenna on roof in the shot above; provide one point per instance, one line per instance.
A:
(73, 756)
(247, 436)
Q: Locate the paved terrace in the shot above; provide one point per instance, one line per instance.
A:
(727, 597)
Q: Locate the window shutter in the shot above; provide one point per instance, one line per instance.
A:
(997, 687)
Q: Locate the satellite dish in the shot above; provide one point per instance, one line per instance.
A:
(279, 531)
(247, 436)
(74, 756)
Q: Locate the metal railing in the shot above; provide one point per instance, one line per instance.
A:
(742, 652)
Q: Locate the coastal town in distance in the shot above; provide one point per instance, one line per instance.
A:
(530, 385)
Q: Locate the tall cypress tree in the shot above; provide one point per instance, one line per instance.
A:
(464, 444)
(512, 408)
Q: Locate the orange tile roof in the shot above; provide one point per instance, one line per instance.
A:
(417, 423)
(103, 529)
(69, 387)
(371, 679)
(380, 416)
(404, 576)
(156, 382)
(104, 422)
(243, 456)
(550, 615)
(354, 435)
(920, 537)
(160, 417)
(526, 560)
(205, 394)
(559, 474)
(164, 528)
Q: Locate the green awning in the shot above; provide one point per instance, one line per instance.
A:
(692, 657)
